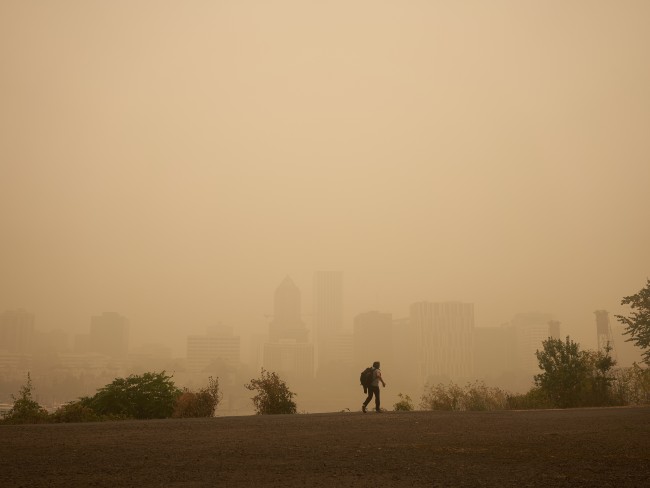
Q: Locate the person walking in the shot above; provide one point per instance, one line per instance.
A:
(373, 389)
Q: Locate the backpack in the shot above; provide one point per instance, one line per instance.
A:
(366, 378)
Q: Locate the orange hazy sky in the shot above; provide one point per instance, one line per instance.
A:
(173, 161)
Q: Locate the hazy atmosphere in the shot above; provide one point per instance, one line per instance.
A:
(174, 161)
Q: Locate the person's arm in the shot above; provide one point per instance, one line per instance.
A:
(380, 378)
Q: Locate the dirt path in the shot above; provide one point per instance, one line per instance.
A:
(581, 447)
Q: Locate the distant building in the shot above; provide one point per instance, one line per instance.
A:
(529, 331)
(16, 331)
(221, 344)
(446, 340)
(109, 334)
(287, 322)
(554, 329)
(327, 314)
(287, 351)
(290, 359)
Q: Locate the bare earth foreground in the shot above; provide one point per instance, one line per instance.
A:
(581, 447)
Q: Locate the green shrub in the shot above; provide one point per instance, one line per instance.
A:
(273, 395)
(405, 404)
(474, 396)
(535, 398)
(25, 409)
(75, 412)
(149, 396)
(198, 404)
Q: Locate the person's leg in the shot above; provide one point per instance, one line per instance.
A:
(365, 404)
(377, 398)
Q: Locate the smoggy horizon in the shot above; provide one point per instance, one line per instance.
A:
(174, 162)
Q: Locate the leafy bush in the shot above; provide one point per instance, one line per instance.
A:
(405, 404)
(637, 325)
(474, 396)
(25, 409)
(273, 395)
(198, 404)
(533, 399)
(75, 412)
(149, 396)
(574, 378)
(631, 386)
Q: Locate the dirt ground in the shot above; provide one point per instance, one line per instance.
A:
(581, 447)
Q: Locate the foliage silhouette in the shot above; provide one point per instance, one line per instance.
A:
(273, 395)
(147, 396)
(202, 403)
(637, 325)
(25, 409)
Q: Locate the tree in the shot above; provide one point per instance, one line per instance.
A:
(149, 396)
(637, 325)
(600, 365)
(565, 372)
(25, 409)
(273, 395)
(198, 404)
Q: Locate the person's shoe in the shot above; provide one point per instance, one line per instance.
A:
(363, 408)
(378, 411)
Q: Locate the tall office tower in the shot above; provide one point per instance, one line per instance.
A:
(328, 314)
(529, 331)
(603, 329)
(290, 359)
(554, 329)
(16, 331)
(373, 339)
(446, 340)
(109, 334)
(287, 323)
(219, 344)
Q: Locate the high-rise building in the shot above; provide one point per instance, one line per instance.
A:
(554, 329)
(603, 329)
(529, 331)
(109, 334)
(287, 351)
(446, 340)
(219, 344)
(290, 359)
(16, 331)
(328, 314)
(287, 322)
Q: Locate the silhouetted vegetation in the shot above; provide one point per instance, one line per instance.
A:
(473, 396)
(202, 403)
(637, 325)
(273, 395)
(25, 409)
(574, 378)
(147, 396)
(405, 404)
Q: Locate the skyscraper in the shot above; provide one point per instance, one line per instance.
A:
(219, 344)
(530, 330)
(287, 351)
(446, 339)
(287, 322)
(16, 331)
(328, 313)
